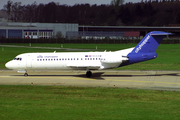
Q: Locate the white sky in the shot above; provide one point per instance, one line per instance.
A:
(68, 2)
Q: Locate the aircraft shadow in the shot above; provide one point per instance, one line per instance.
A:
(172, 74)
(96, 76)
(99, 75)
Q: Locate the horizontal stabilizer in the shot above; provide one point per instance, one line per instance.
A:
(159, 33)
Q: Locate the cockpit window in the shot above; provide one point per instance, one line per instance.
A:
(19, 59)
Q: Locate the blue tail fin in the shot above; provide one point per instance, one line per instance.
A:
(150, 42)
(145, 50)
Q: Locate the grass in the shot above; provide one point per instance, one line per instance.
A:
(168, 54)
(56, 102)
(109, 47)
(35, 102)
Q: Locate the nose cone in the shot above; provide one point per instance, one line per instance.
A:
(9, 65)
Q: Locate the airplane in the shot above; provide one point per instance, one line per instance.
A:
(89, 61)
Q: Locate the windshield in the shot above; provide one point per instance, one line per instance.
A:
(18, 59)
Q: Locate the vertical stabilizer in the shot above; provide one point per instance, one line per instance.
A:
(146, 48)
(150, 42)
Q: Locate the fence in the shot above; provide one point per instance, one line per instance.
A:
(84, 41)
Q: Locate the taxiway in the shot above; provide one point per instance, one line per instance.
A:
(156, 80)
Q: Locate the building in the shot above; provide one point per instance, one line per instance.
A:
(74, 31)
(131, 31)
(34, 30)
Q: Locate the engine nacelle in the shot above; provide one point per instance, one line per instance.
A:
(111, 62)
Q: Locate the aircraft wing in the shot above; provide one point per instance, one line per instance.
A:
(84, 66)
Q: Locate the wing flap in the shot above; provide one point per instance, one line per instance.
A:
(84, 66)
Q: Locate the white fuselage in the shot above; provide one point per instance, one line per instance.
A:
(144, 51)
(71, 60)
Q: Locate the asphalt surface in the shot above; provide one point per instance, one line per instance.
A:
(153, 80)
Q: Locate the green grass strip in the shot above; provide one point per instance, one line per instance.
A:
(75, 103)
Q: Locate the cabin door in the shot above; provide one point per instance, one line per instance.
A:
(29, 61)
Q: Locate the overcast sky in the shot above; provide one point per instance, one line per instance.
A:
(68, 2)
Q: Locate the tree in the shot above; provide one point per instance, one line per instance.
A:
(39, 13)
(117, 2)
(138, 11)
(8, 7)
(16, 9)
(50, 12)
(59, 35)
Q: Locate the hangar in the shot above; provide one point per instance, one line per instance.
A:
(118, 32)
(74, 31)
(131, 31)
(23, 32)
(35, 30)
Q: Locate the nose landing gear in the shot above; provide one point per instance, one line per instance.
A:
(25, 74)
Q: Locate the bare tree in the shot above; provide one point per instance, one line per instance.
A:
(16, 9)
(117, 2)
(8, 7)
(59, 35)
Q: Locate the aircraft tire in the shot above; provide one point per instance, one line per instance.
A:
(88, 74)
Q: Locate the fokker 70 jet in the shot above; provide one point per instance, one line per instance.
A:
(89, 61)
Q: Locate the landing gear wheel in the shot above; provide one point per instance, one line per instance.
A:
(25, 74)
(88, 74)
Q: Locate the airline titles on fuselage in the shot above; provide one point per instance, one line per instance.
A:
(87, 57)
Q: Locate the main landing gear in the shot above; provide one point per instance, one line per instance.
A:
(25, 74)
(88, 74)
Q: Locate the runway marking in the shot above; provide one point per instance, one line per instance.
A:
(91, 79)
